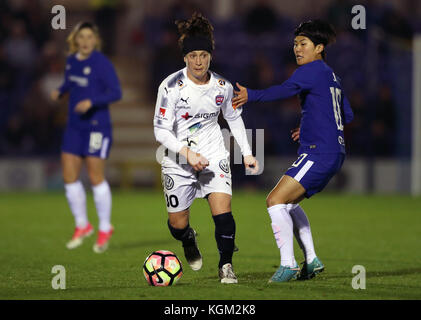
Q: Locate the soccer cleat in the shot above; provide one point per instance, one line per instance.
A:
(102, 241)
(79, 235)
(284, 274)
(226, 274)
(311, 270)
(191, 251)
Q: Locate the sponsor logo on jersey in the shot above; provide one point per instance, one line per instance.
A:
(168, 182)
(186, 116)
(224, 165)
(162, 111)
(195, 127)
(87, 70)
(341, 140)
(180, 83)
(221, 82)
(81, 81)
(219, 99)
(183, 107)
(185, 100)
(206, 115)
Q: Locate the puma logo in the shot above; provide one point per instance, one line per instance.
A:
(185, 100)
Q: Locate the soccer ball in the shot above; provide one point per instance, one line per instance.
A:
(162, 268)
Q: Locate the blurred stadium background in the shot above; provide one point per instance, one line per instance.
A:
(253, 47)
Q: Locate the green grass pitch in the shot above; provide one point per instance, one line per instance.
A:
(381, 233)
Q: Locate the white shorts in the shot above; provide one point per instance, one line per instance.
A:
(182, 186)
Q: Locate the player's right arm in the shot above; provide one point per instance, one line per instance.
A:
(163, 128)
(57, 93)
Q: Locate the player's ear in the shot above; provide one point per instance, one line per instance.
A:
(319, 48)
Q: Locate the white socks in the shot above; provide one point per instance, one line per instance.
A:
(288, 220)
(76, 197)
(102, 199)
(282, 226)
(302, 231)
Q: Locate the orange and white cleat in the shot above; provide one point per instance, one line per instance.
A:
(102, 241)
(79, 235)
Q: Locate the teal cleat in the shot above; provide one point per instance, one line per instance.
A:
(284, 274)
(309, 271)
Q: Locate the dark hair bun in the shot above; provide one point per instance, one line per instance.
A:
(196, 26)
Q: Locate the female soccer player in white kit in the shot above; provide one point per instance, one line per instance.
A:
(186, 123)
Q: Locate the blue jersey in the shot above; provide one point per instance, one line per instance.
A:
(93, 78)
(324, 106)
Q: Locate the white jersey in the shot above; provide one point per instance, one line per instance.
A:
(191, 112)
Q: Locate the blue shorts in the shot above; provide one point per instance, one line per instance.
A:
(314, 171)
(94, 142)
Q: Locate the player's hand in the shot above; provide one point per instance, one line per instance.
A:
(251, 164)
(196, 160)
(55, 95)
(83, 106)
(240, 97)
(295, 134)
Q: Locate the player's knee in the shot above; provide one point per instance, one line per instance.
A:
(69, 177)
(178, 231)
(273, 200)
(95, 178)
(178, 220)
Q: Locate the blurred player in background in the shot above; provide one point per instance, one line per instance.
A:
(188, 104)
(325, 110)
(92, 83)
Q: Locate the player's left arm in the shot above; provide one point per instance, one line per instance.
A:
(349, 115)
(236, 124)
(303, 79)
(108, 77)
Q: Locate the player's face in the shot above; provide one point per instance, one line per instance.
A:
(86, 41)
(305, 51)
(197, 63)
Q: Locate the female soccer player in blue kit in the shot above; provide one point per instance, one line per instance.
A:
(92, 84)
(325, 110)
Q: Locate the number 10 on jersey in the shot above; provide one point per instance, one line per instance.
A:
(336, 100)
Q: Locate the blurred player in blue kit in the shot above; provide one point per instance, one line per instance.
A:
(92, 84)
(325, 110)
